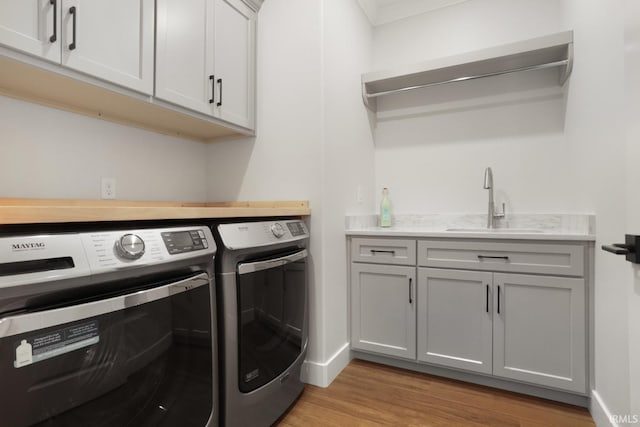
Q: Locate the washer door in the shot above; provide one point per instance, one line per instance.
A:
(144, 358)
(272, 296)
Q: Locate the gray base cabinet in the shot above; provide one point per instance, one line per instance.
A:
(383, 309)
(539, 332)
(510, 310)
(455, 319)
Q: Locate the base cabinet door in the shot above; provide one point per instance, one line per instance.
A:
(383, 316)
(539, 330)
(455, 319)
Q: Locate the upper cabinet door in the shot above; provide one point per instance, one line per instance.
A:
(31, 26)
(235, 27)
(184, 53)
(111, 40)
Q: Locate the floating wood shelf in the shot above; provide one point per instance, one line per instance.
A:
(36, 211)
(551, 51)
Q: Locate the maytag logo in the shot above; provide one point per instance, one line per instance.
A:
(27, 246)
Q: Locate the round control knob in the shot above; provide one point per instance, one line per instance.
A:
(130, 246)
(277, 230)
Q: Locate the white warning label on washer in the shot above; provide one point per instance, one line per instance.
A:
(55, 343)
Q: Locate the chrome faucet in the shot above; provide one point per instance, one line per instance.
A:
(491, 213)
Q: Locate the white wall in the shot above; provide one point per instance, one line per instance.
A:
(349, 150)
(598, 127)
(466, 127)
(550, 151)
(313, 143)
(632, 91)
(49, 153)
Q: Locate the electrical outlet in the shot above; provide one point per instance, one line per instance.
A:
(359, 194)
(108, 188)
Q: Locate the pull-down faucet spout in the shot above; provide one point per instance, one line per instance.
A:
(491, 208)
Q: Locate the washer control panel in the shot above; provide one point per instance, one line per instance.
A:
(114, 250)
(30, 259)
(178, 242)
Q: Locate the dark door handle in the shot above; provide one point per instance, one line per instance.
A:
(220, 99)
(410, 290)
(498, 299)
(617, 248)
(628, 248)
(74, 13)
(487, 304)
(54, 37)
(213, 88)
(493, 257)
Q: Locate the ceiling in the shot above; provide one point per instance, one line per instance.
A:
(384, 11)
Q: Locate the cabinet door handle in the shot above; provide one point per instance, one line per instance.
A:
(74, 13)
(54, 37)
(379, 251)
(493, 257)
(487, 304)
(213, 88)
(220, 101)
(410, 290)
(498, 299)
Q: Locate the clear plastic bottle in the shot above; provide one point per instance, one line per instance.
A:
(385, 209)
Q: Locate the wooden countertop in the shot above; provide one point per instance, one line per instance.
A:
(33, 211)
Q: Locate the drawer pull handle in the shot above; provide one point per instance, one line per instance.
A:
(410, 290)
(504, 257)
(487, 304)
(498, 299)
(377, 251)
(220, 101)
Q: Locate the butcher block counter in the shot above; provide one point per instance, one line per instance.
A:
(34, 211)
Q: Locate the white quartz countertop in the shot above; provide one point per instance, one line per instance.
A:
(522, 227)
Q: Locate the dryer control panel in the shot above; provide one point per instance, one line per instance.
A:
(185, 241)
(262, 233)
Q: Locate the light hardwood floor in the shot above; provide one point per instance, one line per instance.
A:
(370, 394)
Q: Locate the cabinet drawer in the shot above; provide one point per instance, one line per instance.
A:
(384, 251)
(560, 259)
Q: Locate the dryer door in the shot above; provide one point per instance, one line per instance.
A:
(272, 295)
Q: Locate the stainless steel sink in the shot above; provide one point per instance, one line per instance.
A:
(495, 230)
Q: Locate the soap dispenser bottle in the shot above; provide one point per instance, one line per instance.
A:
(385, 209)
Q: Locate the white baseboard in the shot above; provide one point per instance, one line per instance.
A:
(322, 374)
(599, 411)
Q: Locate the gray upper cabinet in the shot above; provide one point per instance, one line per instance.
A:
(211, 67)
(31, 26)
(184, 68)
(235, 55)
(383, 309)
(111, 40)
